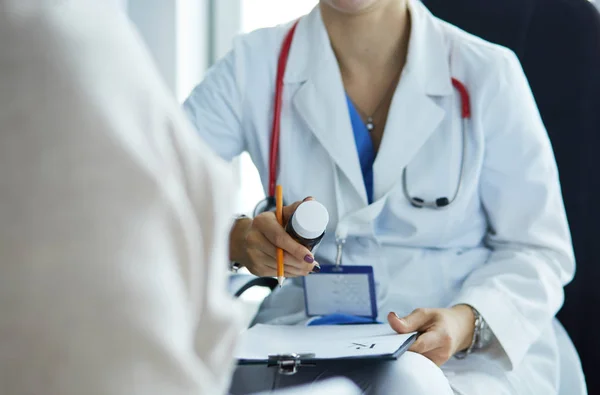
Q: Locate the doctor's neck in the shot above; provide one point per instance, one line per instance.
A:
(368, 35)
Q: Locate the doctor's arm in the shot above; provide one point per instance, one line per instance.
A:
(520, 288)
(214, 107)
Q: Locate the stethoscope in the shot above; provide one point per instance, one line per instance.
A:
(268, 204)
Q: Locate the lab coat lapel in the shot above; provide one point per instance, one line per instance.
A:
(412, 119)
(320, 101)
(414, 114)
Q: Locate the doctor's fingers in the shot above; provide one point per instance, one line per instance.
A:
(258, 241)
(418, 320)
(276, 235)
(264, 265)
(289, 210)
(435, 345)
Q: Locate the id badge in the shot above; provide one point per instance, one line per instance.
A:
(341, 290)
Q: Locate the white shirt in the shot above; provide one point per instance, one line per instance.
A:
(113, 216)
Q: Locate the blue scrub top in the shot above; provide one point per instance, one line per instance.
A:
(364, 146)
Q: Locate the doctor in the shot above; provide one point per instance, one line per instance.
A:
(427, 148)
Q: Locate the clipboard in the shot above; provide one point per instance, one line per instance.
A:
(273, 345)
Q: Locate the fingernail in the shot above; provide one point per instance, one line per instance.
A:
(316, 268)
(309, 259)
(398, 317)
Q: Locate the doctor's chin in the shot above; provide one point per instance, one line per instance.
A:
(340, 197)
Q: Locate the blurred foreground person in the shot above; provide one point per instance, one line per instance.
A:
(113, 216)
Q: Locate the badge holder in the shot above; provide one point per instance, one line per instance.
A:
(341, 291)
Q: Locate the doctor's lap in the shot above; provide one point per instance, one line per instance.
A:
(435, 167)
(411, 374)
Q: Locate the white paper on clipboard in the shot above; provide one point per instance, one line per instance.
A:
(378, 341)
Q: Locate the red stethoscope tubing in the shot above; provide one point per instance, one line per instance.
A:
(276, 127)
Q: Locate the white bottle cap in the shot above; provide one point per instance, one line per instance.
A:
(310, 220)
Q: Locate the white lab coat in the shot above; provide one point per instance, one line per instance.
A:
(503, 246)
(113, 216)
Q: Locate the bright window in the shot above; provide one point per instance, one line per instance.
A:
(257, 14)
(264, 13)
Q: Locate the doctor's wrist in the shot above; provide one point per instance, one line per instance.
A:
(466, 319)
(237, 240)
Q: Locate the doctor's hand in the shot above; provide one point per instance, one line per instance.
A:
(254, 244)
(443, 332)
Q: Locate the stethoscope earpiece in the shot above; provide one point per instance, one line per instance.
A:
(442, 202)
(439, 202)
(417, 202)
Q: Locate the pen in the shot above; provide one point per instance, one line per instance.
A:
(279, 214)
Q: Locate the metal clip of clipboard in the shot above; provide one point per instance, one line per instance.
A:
(288, 363)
